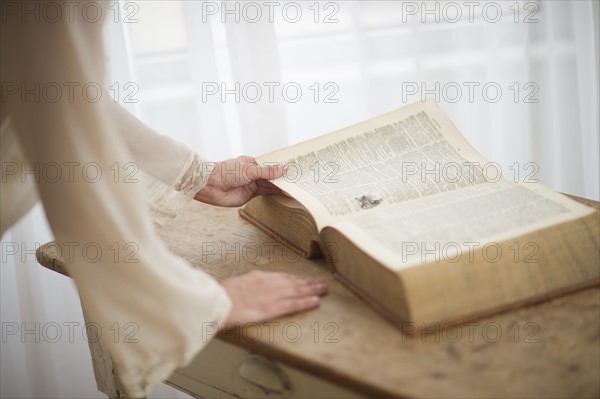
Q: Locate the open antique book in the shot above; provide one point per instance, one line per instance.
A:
(421, 226)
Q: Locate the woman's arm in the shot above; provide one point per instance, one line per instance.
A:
(158, 155)
(126, 277)
(174, 164)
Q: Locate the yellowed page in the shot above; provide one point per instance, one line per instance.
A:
(445, 226)
(410, 153)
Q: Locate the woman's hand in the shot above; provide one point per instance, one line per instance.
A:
(236, 181)
(259, 296)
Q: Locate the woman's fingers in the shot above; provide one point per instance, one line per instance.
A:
(295, 305)
(268, 172)
(234, 182)
(302, 289)
(260, 296)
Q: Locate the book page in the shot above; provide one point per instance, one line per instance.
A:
(447, 225)
(410, 153)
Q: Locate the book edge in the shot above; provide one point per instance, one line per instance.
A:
(311, 254)
(518, 304)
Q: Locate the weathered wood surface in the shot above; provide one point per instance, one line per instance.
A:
(550, 350)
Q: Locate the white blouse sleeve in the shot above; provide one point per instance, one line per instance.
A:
(161, 157)
(126, 277)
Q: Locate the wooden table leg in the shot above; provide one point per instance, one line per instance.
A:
(104, 371)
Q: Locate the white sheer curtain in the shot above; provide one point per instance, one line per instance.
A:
(371, 57)
(166, 58)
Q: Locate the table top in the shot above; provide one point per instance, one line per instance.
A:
(547, 350)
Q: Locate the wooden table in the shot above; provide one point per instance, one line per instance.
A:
(344, 349)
